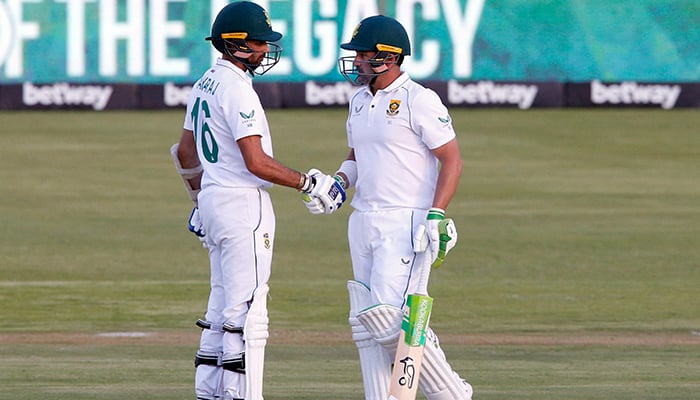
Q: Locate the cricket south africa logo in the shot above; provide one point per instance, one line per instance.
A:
(393, 107)
(7, 32)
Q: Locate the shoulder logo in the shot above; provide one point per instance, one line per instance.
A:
(393, 107)
(247, 116)
(358, 108)
(445, 120)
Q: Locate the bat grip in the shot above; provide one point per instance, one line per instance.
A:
(425, 267)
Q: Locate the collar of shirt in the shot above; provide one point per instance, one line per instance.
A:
(229, 65)
(398, 82)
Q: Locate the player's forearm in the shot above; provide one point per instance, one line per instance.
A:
(450, 172)
(187, 154)
(448, 181)
(269, 169)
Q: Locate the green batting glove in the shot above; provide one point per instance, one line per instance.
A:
(448, 239)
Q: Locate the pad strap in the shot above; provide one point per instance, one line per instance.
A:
(209, 325)
(205, 358)
(235, 364)
(227, 327)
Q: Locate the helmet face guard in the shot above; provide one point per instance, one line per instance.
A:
(367, 70)
(380, 34)
(236, 46)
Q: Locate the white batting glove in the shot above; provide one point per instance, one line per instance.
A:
(326, 189)
(194, 224)
(313, 204)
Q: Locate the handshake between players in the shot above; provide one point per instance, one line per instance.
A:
(325, 193)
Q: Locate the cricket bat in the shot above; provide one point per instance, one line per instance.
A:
(409, 351)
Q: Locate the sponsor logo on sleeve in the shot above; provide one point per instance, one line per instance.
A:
(248, 119)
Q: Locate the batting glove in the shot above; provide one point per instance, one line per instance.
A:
(313, 204)
(448, 239)
(326, 189)
(437, 235)
(194, 224)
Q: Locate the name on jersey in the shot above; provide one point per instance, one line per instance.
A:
(208, 85)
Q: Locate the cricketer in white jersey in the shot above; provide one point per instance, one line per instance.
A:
(405, 165)
(225, 159)
(391, 134)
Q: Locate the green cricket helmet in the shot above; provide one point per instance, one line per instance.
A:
(378, 33)
(238, 22)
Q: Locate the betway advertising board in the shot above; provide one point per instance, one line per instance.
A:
(103, 54)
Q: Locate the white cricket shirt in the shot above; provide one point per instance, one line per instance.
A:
(222, 108)
(392, 133)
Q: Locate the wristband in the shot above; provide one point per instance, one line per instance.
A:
(436, 214)
(302, 181)
(309, 184)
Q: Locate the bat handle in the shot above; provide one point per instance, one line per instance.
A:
(426, 266)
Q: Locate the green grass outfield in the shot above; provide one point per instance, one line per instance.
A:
(577, 274)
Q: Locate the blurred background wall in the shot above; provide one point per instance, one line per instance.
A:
(510, 53)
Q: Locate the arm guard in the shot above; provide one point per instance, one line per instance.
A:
(186, 173)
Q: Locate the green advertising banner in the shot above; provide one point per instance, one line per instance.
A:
(156, 41)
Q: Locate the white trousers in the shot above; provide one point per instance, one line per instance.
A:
(381, 250)
(240, 231)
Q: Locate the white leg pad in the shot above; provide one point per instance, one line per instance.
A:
(255, 334)
(383, 322)
(437, 380)
(374, 362)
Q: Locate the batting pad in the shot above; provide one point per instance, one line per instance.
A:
(383, 322)
(374, 362)
(255, 334)
(437, 380)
